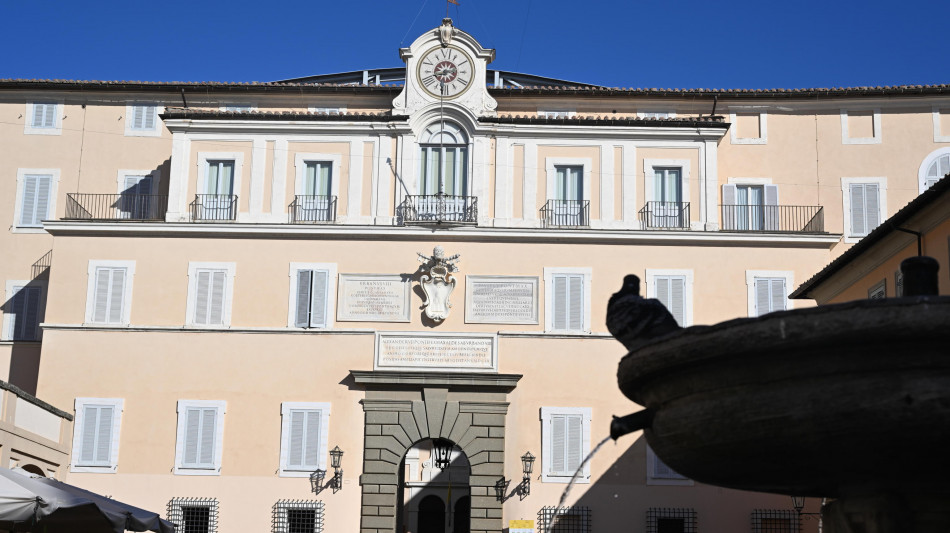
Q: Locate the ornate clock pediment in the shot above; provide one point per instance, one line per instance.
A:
(446, 66)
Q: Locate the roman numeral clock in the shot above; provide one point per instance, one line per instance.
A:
(445, 70)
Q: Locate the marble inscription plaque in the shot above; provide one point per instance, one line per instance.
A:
(501, 299)
(373, 298)
(456, 352)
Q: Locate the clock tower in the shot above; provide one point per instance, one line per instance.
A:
(446, 67)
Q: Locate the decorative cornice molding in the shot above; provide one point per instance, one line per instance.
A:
(414, 379)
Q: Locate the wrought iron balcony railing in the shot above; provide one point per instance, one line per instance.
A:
(81, 206)
(307, 209)
(565, 214)
(773, 218)
(439, 209)
(214, 207)
(665, 215)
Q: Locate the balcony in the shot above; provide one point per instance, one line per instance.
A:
(214, 207)
(143, 207)
(665, 215)
(773, 218)
(313, 210)
(439, 209)
(565, 214)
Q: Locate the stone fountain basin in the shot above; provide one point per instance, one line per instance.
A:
(837, 400)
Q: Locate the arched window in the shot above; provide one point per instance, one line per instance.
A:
(934, 168)
(444, 160)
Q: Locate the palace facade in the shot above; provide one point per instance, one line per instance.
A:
(226, 282)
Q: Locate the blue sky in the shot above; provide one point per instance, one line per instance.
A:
(685, 44)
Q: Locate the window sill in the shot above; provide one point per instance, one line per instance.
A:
(302, 473)
(143, 133)
(27, 229)
(108, 469)
(193, 471)
(31, 130)
(583, 479)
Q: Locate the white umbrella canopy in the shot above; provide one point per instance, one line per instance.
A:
(33, 503)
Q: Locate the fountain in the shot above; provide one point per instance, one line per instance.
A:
(846, 401)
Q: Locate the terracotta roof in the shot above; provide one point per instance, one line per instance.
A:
(181, 112)
(892, 90)
(886, 228)
(607, 120)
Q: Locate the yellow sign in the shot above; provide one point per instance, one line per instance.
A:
(521, 524)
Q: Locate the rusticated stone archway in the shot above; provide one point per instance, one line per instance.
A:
(402, 408)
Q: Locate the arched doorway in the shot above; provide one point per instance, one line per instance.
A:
(33, 469)
(428, 491)
(431, 515)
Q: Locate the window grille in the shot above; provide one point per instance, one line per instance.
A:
(194, 515)
(298, 516)
(671, 520)
(568, 519)
(775, 521)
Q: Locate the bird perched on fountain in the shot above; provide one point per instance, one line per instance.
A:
(633, 320)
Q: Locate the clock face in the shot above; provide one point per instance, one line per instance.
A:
(445, 71)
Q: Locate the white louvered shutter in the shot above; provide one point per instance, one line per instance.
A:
(574, 444)
(558, 444)
(873, 209)
(210, 290)
(730, 212)
(38, 114)
(318, 305)
(302, 319)
(216, 314)
(34, 205)
(772, 216)
(671, 292)
(778, 298)
(104, 435)
(96, 440)
(763, 299)
(298, 421)
(312, 440)
(208, 416)
(304, 440)
(192, 432)
(576, 303)
(24, 307)
(44, 115)
(138, 117)
(560, 302)
(109, 295)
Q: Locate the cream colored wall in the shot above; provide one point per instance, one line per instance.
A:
(935, 244)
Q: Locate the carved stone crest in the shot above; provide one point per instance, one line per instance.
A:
(437, 282)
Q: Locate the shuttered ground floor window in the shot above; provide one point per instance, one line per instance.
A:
(96, 434)
(565, 436)
(194, 515)
(297, 516)
(303, 437)
(567, 519)
(200, 434)
(671, 520)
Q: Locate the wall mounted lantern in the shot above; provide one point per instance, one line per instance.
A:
(442, 453)
(524, 488)
(336, 456)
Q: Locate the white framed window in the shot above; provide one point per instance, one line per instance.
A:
(36, 198)
(749, 127)
(659, 473)
(565, 442)
(865, 205)
(941, 119)
(198, 447)
(444, 164)
(567, 299)
(750, 204)
(556, 113)
(768, 290)
(656, 113)
(568, 178)
(141, 120)
(312, 290)
(674, 289)
(317, 185)
(23, 308)
(303, 437)
(341, 110)
(210, 290)
(666, 184)
(934, 167)
(109, 292)
(96, 435)
(194, 515)
(861, 126)
(298, 516)
(878, 291)
(44, 118)
(220, 173)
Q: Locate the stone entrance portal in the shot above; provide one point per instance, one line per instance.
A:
(403, 408)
